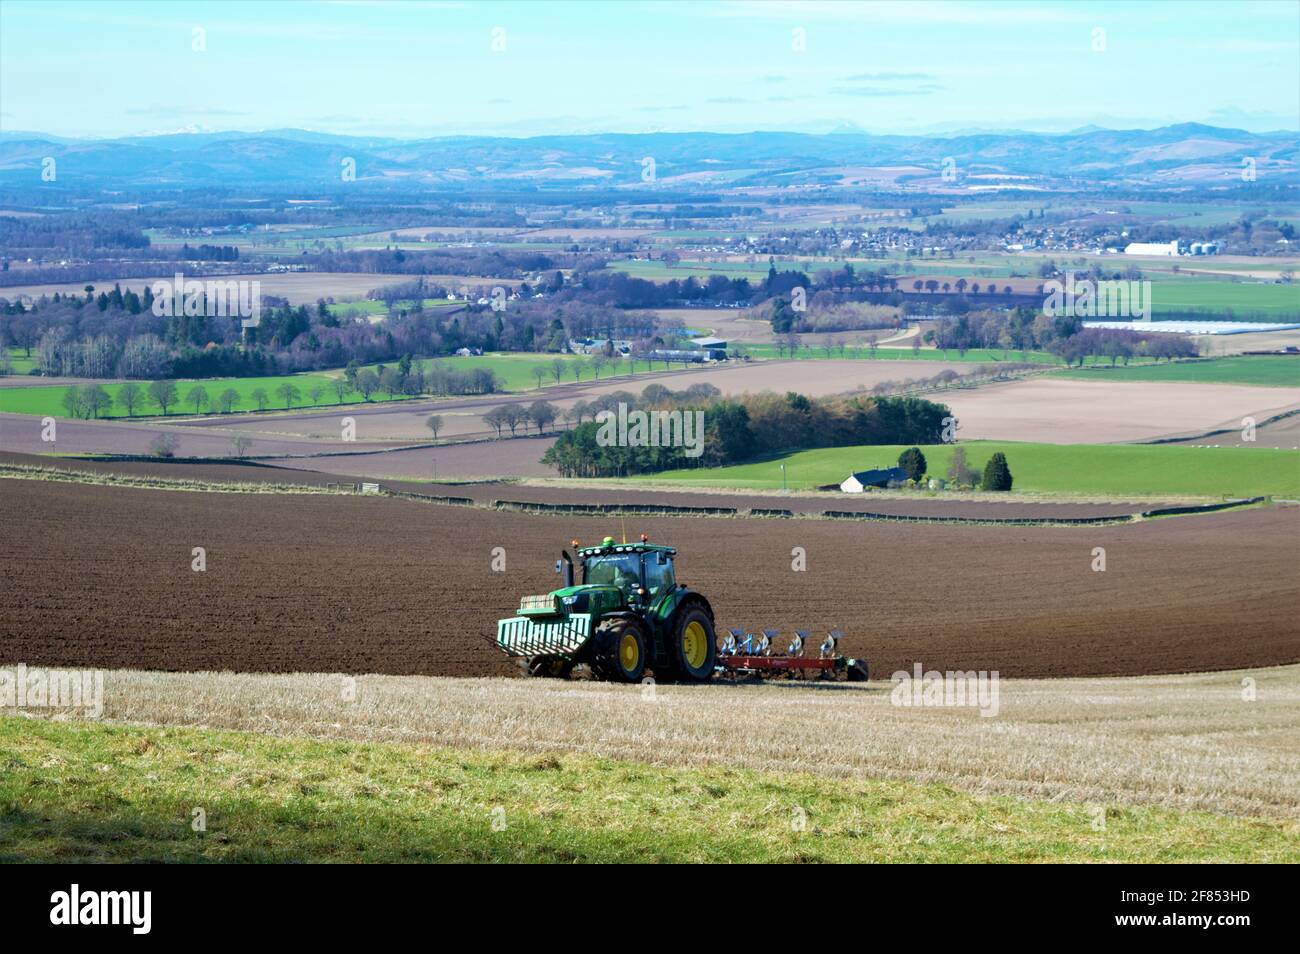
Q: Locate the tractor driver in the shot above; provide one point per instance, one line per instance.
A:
(621, 571)
(625, 578)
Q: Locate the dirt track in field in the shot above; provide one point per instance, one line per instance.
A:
(101, 576)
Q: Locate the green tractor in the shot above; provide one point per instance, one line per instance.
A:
(628, 614)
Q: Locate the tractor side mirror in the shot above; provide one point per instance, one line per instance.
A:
(559, 567)
(661, 558)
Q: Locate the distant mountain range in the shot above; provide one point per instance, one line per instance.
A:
(1186, 154)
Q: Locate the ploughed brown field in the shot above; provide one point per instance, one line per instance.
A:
(101, 576)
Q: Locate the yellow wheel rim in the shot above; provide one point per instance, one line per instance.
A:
(695, 644)
(629, 653)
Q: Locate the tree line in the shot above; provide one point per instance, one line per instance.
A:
(752, 426)
(1026, 329)
(407, 378)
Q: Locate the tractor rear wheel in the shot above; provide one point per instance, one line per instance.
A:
(618, 651)
(693, 649)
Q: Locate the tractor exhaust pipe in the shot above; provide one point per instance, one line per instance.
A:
(565, 565)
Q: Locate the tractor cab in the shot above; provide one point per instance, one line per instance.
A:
(641, 572)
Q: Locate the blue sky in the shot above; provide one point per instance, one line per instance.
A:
(430, 68)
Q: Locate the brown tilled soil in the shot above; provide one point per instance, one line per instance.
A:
(1069, 411)
(21, 434)
(210, 470)
(469, 460)
(101, 576)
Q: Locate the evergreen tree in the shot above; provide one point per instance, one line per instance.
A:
(997, 476)
(913, 463)
(782, 317)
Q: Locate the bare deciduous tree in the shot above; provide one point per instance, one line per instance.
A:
(130, 395)
(163, 393)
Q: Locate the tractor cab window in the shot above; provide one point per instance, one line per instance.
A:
(622, 570)
(659, 577)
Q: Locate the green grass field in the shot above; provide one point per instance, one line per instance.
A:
(49, 400)
(1265, 370)
(515, 371)
(1195, 294)
(91, 792)
(1081, 469)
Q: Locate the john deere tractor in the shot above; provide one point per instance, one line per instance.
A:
(628, 614)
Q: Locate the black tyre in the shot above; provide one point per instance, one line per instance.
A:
(618, 651)
(693, 646)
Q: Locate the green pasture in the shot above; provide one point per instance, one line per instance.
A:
(516, 371)
(1193, 293)
(1266, 370)
(1149, 470)
(48, 400)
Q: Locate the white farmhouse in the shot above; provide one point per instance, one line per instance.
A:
(859, 481)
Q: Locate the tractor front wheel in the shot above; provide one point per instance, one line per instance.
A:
(618, 651)
(550, 667)
(694, 646)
